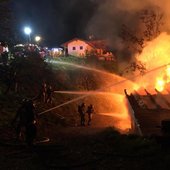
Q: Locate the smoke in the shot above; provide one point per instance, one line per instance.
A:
(112, 14)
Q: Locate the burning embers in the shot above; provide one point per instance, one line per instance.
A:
(154, 55)
(163, 80)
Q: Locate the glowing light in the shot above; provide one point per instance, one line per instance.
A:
(27, 30)
(168, 73)
(55, 49)
(37, 38)
(160, 84)
(163, 80)
(19, 45)
(155, 54)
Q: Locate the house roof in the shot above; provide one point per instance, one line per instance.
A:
(154, 101)
(149, 110)
(66, 43)
(102, 44)
(99, 44)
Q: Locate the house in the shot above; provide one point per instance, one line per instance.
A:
(82, 48)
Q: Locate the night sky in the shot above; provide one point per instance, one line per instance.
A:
(56, 21)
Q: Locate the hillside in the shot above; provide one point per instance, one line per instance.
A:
(70, 146)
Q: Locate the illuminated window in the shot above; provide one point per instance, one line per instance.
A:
(81, 47)
(74, 48)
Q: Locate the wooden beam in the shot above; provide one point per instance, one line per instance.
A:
(135, 123)
(153, 100)
(163, 98)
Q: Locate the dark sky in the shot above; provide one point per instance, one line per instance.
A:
(55, 20)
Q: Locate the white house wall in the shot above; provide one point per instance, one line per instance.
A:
(74, 48)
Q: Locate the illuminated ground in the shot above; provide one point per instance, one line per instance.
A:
(83, 148)
(75, 147)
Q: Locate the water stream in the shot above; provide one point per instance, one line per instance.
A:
(115, 95)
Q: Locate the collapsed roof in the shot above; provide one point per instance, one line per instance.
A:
(148, 111)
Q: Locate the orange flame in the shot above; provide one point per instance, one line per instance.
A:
(163, 80)
(160, 84)
(168, 73)
(156, 54)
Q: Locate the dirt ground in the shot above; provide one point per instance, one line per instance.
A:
(95, 147)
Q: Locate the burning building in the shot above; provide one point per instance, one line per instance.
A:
(151, 102)
(149, 111)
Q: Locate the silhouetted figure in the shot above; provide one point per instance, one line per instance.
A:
(25, 118)
(90, 111)
(4, 56)
(31, 129)
(20, 119)
(49, 93)
(81, 110)
(42, 93)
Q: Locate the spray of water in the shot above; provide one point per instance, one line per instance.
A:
(85, 92)
(106, 76)
(121, 119)
(81, 97)
(87, 68)
(111, 85)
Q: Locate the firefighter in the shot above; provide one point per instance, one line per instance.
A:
(4, 56)
(44, 91)
(31, 129)
(49, 93)
(81, 110)
(26, 119)
(90, 111)
(19, 119)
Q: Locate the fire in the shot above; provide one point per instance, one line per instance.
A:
(168, 73)
(114, 106)
(162, 81)
(156, 54)
(160, 84)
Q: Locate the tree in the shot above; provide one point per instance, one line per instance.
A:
(151, 21)
(135, 66)
(87, 80)
(131, 40)
(92, 56)
(5, 20)
(26, 74)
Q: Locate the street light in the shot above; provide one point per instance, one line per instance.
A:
(37, 38)
(28, 31)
